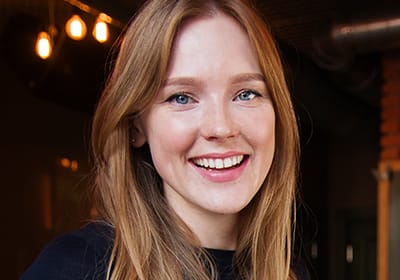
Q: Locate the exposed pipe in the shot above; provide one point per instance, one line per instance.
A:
(364, 37)
(350, 49)
(335, 47)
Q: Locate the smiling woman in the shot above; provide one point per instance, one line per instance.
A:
(196, 149)
(208, 116)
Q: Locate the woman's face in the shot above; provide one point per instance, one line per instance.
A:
(211, 130)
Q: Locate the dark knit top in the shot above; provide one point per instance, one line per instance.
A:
(84, 255)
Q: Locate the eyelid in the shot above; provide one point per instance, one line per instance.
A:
(172, 98)
(256, 92)
(253, 91)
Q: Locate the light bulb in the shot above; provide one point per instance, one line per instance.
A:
(65, 162)
(74, 165)
(44, 46)
(75, 28)
(100, 30)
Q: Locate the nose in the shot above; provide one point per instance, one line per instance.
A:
(219, 122)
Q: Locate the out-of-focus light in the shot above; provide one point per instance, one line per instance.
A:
(69, 164)
(75, 28)
(100, 30)
(74, 165)
(65, 162)
(44, 45)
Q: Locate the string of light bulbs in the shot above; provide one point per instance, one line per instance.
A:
(75, 28)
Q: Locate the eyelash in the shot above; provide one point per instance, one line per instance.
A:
(253, 92)
(174, 98)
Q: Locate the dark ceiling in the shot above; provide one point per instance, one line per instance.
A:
(322, 72)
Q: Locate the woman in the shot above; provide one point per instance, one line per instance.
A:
(196, 150)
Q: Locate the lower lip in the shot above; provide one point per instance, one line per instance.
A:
(222, 175)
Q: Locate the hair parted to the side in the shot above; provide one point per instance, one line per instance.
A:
(150, 241)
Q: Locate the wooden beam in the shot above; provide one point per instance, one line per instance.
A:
(383, 225)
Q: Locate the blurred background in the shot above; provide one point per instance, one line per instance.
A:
(342, 59)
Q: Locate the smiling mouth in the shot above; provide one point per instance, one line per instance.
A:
(219, 163)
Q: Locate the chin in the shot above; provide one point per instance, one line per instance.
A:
(228, 210)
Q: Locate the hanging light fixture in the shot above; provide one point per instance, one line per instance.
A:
(100, 31)
(75, 27)
(44, 45)
(45, 39)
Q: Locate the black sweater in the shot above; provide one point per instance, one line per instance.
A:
(84, 255)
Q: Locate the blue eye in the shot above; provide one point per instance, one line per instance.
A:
(247, 95)
(179, 99)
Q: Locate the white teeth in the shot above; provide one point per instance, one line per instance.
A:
(219, 163)
(234, 161)
(211, 163)
(227, 162)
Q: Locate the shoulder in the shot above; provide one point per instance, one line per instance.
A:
(82, 254)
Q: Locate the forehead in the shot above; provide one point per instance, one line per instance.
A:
(211, 41)
(224, 26)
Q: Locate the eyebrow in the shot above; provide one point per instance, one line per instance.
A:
(236, 79)
(247, 77)
(181, 81)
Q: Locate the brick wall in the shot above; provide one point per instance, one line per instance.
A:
(389, 156)
(390, 108)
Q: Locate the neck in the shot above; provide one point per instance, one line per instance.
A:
(213, 231)
(212, 227)
(217, 232)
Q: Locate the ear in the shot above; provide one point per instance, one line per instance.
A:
(138, 138)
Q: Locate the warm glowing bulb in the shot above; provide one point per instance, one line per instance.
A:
(75, 28)
(100, 31)
(65, 162)
(74, 165)
(44, 45)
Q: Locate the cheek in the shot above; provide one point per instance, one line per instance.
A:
(263, 143)
(261, 129)
(265, 146)
(169, 134)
